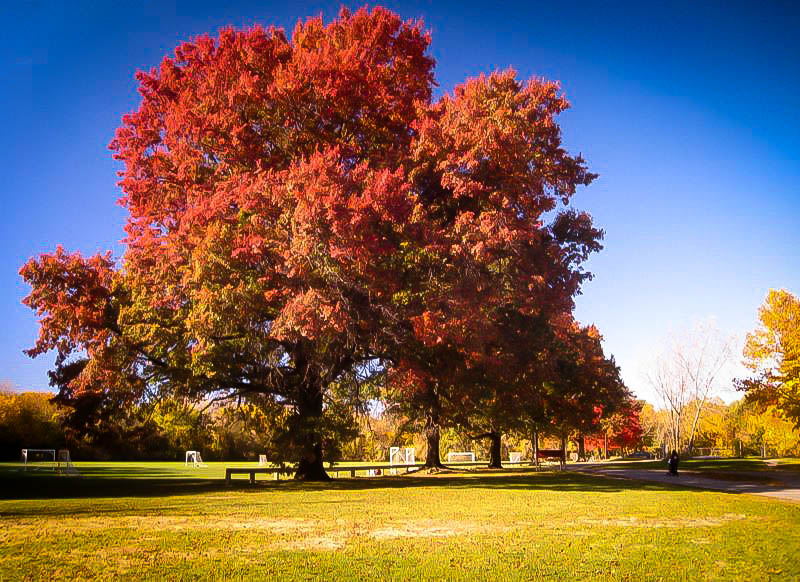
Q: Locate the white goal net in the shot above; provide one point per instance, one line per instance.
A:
(401, 456)
(64, 464)
(514, 457)
(193, 459)
(38, 459)
(262, 460)
(461, 457)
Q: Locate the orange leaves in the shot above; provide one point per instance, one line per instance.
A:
(70, 295)
(495, 133)
(329, 221)
(74, 298)
(294, 146)
(410, 378)
(309, 315)
(367, 65)
(199, 112)
(427, 328)
(302, 200)
(493, 152)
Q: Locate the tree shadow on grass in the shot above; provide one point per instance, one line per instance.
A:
(153, 482)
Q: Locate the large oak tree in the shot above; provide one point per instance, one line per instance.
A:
(299, 208)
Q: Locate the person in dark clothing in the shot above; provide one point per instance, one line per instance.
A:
(673, 463)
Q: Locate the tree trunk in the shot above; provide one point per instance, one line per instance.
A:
(605, 445)
(432, 458)
(690, 448)
(495, 454)
(563, 461)
(308, 438)
(581, 448)
(535, 446)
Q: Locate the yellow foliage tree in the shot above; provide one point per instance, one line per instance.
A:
(772, 353)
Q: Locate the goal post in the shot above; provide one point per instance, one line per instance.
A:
(461, 457)
(401, 456)
(193, 459)
(64, 463)
(38, 459)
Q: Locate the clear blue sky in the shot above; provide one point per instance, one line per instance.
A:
(690, 113)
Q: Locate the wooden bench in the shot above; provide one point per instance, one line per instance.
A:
(550, 454)
(335, 470)
(231, 471)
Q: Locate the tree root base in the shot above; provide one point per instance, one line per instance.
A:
(433, 470)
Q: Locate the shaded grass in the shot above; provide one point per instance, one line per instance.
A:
(152, 521)
(173, 479)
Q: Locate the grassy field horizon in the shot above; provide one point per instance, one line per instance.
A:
(163, 521)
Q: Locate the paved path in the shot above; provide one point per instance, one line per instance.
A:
(780, 486)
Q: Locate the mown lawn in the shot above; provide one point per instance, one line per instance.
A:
(746, 465)
(161, 521)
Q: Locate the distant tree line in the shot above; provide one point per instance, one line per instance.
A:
(244, 430)
(92, 430)
(743, 428)
(162, 431)
(28, 420)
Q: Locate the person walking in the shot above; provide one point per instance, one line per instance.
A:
(673, 464)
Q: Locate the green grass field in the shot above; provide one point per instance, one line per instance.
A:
(161, 521)
(720, 464)
(729, 469)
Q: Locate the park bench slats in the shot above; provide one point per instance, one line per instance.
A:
(336, 469)
(252, 471)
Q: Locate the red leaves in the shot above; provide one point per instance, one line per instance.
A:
(70, 295)
(495, 134)
(366, 67)
(354, 214)
(293, 146)
(623, 428)
(74, 299)
(306, 195)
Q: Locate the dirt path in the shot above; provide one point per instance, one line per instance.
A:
(774, 484)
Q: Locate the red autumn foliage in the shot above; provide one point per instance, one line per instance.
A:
(623, 427)
(298, 207)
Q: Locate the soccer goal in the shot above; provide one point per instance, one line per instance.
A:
(262, 460)
(38, 459)
(461, 457)
(193, 459)
(64, 464)
(714, 452)
(514, 457)
(401, 456)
